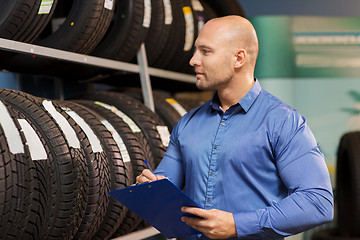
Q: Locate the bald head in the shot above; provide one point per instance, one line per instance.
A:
(236, 32)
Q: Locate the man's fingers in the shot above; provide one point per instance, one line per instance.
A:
(148, 174)
(196, 211)
(145, 176)
(159, 177)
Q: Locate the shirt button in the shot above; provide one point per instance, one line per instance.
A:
(223, 123)
(215, 147)
(208, 199)
(211, 173)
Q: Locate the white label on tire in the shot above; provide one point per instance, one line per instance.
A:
(64, 125)
(109, 4)
(189, 34)
(119, 142)
(93, 139)
(182, 111)
(122, 115)
(168, 12)
(164, 135)
(147, 13)
(45, 6)
(36, 148)
(11, 133)
(196, 5)
(201, 22)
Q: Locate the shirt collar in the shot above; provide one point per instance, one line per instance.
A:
(246, 102)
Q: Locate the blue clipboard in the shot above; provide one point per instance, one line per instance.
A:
(158, 203)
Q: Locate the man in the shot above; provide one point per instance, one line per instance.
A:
(246, 157)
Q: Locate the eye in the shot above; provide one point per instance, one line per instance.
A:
(205, 51)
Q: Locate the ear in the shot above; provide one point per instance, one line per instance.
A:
(240, 58)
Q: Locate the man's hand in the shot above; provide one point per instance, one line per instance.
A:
(147, 176)
(214, 223)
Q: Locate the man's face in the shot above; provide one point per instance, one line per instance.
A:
(213, 60)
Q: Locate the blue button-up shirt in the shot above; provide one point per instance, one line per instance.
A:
(258, 160)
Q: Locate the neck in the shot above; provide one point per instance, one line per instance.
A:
(233, 94)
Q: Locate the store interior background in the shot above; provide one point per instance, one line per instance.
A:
(320, 78)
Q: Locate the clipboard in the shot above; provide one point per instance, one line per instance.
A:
(158, 203)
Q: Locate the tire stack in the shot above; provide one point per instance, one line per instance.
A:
(347, 191)
(59, 160)
(112, 29)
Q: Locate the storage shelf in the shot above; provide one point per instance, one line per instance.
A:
(20, 47)
(141, 68)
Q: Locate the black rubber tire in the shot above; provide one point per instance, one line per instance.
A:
(115, 212)
(126, 33)
(348, 184)
(164, 105)
(158, 31)
(137, 151)
(148, 121)
(226, 7)
(63, 175)
(86, 22)
(201, 16)
(187, 103)
(20, 21)
(331, 234)
(188, 48)
(176, 37)
(99, 178)
(19, 187)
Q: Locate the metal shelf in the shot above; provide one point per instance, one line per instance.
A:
(141, 68)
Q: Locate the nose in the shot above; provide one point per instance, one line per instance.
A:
(195, 60)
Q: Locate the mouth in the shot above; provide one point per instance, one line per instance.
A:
(199, 74)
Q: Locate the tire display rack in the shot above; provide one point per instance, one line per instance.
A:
(142, 68)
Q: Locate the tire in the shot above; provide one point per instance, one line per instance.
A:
(331, 234)
(202, 13)
(348, 184)
(159, 29)
(188, 103)
(176, 38)
(127, 32)
(20, 19)
(143, 120)
(61, 170)
(85, 24)
(168, 109)
(19, 187)
(98, 174)
(115, 211)
(135, 149)
(187, 48)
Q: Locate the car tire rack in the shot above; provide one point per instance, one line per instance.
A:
(142, 68)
